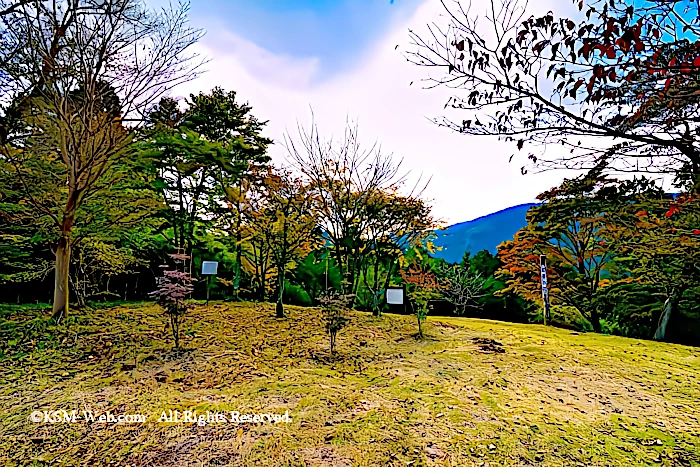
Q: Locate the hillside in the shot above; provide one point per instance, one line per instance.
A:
(518, 395)
(483, 233)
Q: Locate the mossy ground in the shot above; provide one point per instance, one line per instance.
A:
(553, 397)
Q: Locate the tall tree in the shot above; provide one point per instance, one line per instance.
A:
(207, 156)
(79, 68)
(395, 223)
(219, 117)
(344, 176)
(292, 207)
(572, 229)
(659, 247)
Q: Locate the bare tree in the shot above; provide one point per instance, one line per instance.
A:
(462, 287)
(344, 177)
(77, 70)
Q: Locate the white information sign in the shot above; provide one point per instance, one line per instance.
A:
(210, 267)
(394, 296)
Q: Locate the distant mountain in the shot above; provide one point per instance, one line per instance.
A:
(483, 233)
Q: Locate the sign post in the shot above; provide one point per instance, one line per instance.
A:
(209, 269)
(395, 296)
(545, 293)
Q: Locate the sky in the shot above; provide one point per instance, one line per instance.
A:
(340, 59)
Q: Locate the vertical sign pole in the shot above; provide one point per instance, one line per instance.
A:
(208, 287)
(545, 293)
(209, 269)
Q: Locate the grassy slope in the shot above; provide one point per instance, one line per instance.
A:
(553, 397)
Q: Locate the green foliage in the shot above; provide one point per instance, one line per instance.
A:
(565, 316)
(310, 273)
(296, 295)
(422, 287)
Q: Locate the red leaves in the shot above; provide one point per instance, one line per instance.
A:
(673, 209)
(591, 83)
(586, 50)
(539, 46)
(639, 46)
(611, 52)
(570, 25)
(656, 33)
(696, 232)
(602, 243)
(612, 75)
(667, 85)
(685, 68)
(623, 44)
(460, 45)
(610, 26)
(696, 62)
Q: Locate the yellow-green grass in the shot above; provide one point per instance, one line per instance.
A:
(552, 398)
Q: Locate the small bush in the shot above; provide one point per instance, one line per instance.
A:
(565, 316)
(296, 295)
(172, 289)
(334, 307)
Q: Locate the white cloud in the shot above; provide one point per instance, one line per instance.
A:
(471, 176)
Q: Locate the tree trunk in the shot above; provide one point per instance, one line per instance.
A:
(239, 253)
(280, 306)
(61, 290)
(375, 291)
(669, 306)
(595, 321)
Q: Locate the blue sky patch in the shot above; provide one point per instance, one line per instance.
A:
(336, 32)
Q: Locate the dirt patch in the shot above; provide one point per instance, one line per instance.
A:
(488, 345)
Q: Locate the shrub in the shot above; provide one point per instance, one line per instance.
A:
(296, 295)
(334, 306)
(172, 289)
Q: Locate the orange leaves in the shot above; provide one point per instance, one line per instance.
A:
(623, 45)
(673, 209)
(641, 213)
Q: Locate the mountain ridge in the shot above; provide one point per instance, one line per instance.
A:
(483, 233)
